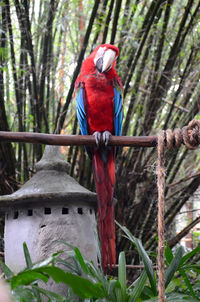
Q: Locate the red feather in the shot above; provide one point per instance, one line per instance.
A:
(104, 172)
(99, 109)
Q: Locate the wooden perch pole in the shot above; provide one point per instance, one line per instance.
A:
(69, 140)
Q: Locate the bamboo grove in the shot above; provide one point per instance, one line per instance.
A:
(42, 46)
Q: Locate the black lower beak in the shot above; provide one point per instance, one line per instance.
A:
(99, 64)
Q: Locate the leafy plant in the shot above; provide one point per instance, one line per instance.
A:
(176, 263)
(88, 282)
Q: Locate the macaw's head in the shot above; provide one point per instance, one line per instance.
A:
(101, 60)
(104, 57)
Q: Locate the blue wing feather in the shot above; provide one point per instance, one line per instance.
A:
(118, 114)
(81, 113)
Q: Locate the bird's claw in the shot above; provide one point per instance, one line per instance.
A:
(105, 137)
(97, 136)
(102, 138)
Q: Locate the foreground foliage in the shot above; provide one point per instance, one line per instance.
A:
(85, 280)
(42, 46)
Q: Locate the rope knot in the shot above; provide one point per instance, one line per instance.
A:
(189, 135)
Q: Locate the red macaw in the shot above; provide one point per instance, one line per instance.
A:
(99, 110)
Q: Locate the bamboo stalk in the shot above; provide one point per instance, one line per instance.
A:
(76, 140)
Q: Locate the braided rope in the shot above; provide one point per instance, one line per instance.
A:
(190, 137)
(161, 207)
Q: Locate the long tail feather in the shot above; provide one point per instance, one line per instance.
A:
(104, 171)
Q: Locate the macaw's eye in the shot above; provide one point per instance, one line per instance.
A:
(99, 64)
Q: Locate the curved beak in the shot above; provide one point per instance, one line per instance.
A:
(104, 63)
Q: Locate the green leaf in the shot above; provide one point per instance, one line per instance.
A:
(118, 292)
(136, 292)
(8, 273)
(111, 289)
(174, 297)
(27, 277)
(168, 253)
(53, 296)
(122, 274)
(27, 256)
(44, 262)
(82, 287)
(147, 292)
(169, 273)
(68, 265)
(76, 265)
(23, 294)
(36, 293)
(189, 255)
(65, 243)
(97, 274)
(143, 254)
(193, 267)
(187, 282)
(81, 260)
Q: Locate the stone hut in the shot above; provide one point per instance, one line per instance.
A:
(48, 207)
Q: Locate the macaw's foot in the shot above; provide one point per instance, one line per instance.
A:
(105, 137)
(97, 136)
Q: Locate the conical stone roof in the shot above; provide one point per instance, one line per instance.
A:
(51, 182)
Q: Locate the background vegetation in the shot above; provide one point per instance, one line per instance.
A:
(42, 46)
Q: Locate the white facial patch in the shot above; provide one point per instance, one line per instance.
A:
(99, 54)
